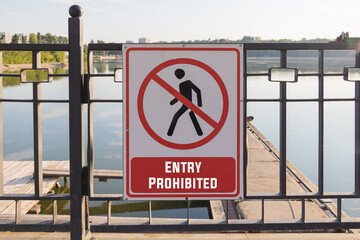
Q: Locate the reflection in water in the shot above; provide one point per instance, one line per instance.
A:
(107, 67)
(170, 209)
(305, 61)
(302, 121)
(100, 67)
(27, 154)
(339, 146)
(113, 65)
(256, 65)
(55, 113)
(335, 61)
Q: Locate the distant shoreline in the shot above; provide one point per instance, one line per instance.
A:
(6, 67)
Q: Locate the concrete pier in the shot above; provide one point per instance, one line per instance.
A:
(263, 178)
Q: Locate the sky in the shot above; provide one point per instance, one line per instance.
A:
(176, 20)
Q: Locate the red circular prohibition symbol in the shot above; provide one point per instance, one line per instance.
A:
(219, 124)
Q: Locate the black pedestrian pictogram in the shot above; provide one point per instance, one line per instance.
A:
(185, 88)
(215, 124)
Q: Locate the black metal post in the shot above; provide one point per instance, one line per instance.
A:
(283, 128)
(38, 175)
(77, 198)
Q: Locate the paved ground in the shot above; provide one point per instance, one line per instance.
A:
(200, 236)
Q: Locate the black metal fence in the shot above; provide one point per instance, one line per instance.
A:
(82, 175)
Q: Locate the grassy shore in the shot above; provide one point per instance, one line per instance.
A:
(10, 67)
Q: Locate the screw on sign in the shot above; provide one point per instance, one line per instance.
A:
(182, 122)
(185, 97)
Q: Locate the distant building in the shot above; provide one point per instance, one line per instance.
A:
(144, 40)
(130, 41)
(23, 35)
(6, 37)
(247, 39)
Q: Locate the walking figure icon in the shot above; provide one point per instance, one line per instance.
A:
(186, 89)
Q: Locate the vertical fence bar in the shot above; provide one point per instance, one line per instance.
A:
(262, 210)
(36, 63)
(357, 127)
(227, 211)
(150, 217)
(283, 128)
(303, 210)
(77, 199)
(188, 211)
(321, 124)
(1, 136)
(90, 147)
(109, 213)
(17, 211)
(245, 147)
(55, 211)
(338, 214)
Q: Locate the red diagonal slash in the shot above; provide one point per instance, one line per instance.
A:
(184, 100)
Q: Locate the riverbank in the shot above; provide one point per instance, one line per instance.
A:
(10, 67)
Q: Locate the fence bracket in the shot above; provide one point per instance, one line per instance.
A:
(85, 181)
(85, 90)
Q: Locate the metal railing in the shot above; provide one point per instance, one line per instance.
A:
(37, 102)
(81, 176)
(282, 195)
(76, 196)
(283, 100)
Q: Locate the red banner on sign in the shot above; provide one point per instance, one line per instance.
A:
(183, 175)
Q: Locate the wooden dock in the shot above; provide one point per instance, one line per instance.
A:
(19, 179)
(102, 174)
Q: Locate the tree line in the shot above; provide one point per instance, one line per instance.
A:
(48, 38)
(37, 38)
(250, 39)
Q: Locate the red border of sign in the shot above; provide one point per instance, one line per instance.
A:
(218, 126)
(190, 195)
